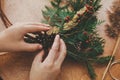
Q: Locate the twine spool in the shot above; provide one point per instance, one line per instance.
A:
(113, 64)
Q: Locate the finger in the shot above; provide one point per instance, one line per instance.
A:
(31, 47)
(33, 28)
(32, 23)
(62, 53)
(54, 50)
(38, 58)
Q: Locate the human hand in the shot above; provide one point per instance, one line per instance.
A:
(49, 69)
(12, 39)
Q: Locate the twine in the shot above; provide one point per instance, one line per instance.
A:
(114, 63)
(110, 62)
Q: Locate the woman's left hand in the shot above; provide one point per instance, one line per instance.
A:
(12, 39)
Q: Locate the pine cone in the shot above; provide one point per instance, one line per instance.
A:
(42, 38)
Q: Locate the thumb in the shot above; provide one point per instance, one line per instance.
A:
(32, 47)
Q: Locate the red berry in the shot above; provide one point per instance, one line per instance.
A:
(91, 7)
(79, 15)
(67, 18)
(78, 21)
(87, 41)
(88, 7)
(85, 32)
(86, 10)
(91, 1)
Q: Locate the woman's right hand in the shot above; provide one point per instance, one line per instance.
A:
(49, 69)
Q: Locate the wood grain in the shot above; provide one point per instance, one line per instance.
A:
(17, 66)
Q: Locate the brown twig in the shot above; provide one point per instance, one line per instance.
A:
(4, 18)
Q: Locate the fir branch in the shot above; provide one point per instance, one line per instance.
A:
(76, 23)
(91, 70)
(77, 5)
(103, 60)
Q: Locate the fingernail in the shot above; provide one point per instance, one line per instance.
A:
(40, 46)
(61, 39)
(57, 36)
(47, 27)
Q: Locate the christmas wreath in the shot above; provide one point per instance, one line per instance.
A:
(75, 21)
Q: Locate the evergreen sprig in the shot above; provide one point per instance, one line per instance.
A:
(75, 21)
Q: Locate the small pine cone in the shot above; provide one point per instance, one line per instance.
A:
(78, 46)
(46, 40)
(42, 38)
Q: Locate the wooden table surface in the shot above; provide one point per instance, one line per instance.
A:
(17, 66)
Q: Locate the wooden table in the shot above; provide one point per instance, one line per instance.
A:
(17, 66)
